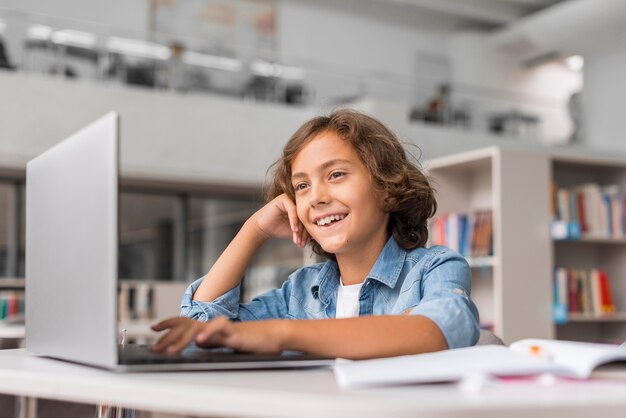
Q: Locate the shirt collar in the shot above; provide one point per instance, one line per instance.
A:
(386, 270)
(389, 263)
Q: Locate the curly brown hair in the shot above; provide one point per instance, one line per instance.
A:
(408, 196)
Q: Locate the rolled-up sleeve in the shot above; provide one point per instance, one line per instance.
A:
(226, 305)
(269, 305)
(445, 288)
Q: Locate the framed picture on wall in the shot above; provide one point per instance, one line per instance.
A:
(231, 28)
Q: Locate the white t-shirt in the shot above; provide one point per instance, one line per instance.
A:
(348, 300)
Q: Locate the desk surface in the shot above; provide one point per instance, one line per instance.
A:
(297, 393)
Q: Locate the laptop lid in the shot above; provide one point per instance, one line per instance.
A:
(71, 263)
(71, 247)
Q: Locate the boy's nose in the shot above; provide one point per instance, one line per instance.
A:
(319, 195)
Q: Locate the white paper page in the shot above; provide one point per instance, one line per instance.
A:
(578, 357)
(442, 366)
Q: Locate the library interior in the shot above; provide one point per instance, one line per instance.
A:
(509, 108)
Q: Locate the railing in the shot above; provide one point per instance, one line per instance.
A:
(74, 49)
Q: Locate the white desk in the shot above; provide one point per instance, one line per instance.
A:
(294, 393)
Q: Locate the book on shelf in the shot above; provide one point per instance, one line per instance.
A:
(582, 291)
(526, 357)
(469, 234)
(588, 211)
(12, 304)
(135, 301)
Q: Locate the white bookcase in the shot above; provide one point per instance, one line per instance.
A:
(165, 303)
(12, 330)
(166, 296)
(608, 254)
(512, 288)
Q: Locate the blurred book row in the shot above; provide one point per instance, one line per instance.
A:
(135, 301)
(141, 300)
(11, 304)
(587, 211)
(469, 234)
(582, 291)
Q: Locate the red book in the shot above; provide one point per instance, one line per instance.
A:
(13, 305)
(580, 200)
(606, 296)
(441, 231)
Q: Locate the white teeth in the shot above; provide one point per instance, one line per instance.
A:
(329, 219)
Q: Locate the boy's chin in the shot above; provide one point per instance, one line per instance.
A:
(332, 247)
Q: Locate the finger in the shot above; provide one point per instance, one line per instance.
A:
(295, 238)
(185, 338)
(167, 323)
(216, 339)
(292, 214)
(174, 335)
(304, 237)
(165, 341)
(213, 332)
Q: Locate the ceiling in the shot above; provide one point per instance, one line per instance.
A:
(477, 12)
(441, 15)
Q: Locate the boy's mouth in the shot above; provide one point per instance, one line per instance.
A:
(329, 220)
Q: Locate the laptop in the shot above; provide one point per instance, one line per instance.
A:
(72, 210)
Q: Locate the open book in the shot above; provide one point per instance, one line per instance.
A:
(522, 358)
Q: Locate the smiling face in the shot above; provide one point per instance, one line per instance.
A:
(336, 199)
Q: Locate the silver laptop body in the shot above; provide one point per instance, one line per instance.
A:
(71, 262)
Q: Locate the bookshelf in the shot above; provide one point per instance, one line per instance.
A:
(164, 302)
(482, 262)
(11, 324)
(511, 287)
(588, 251)
(141, 303)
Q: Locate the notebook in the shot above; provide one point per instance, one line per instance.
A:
(576, 360)
(72, 209)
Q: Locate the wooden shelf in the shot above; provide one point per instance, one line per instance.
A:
(480, 262)
(590, 240)
(590, 317)
(11, 331)
(12, 283)
(592, 251)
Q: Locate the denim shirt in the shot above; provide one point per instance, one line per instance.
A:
(433, 282)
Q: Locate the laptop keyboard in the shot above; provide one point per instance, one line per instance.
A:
(135, 354)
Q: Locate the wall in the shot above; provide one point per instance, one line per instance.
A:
(427, 141)
(340, 42)
(604, 98)
(186, 138)
(126, 15)
(191, 138)
(344, 42)
(495, 80)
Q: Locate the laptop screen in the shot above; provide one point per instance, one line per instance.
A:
(71, 246)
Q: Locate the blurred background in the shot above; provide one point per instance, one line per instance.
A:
(210, 90)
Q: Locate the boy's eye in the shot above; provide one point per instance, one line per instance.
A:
(299, 186)
(336, 174)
